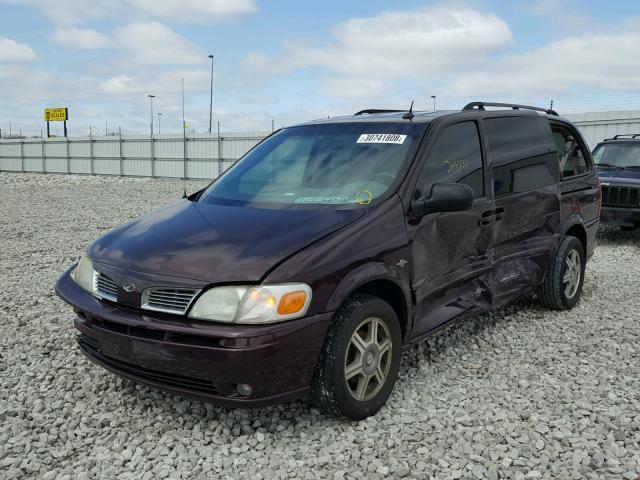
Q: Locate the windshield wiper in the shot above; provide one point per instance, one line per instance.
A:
(633, 167)
(609, 165)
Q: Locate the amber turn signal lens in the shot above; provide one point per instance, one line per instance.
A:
(292, 302)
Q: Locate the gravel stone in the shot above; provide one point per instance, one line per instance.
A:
(520, 393)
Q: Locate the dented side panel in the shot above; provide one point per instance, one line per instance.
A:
(448, 250)
(524, 240)
(468, 262)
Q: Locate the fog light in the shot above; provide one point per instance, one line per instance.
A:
(244, 390)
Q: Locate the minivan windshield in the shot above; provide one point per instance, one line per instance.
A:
(340, 164)
(620, 155)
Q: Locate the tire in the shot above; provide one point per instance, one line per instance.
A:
(554, 292)
(363, 394)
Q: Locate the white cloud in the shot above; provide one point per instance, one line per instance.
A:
(600, 62)
(137, 84)
(197, 10)
(118, 84)
(567, 14)
(12, 51)
(156, 44)
(399, 43)
(74, 12)
(349, 87)
(81, 38)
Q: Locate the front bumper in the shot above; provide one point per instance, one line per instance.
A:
(198, 359)
(628, 217)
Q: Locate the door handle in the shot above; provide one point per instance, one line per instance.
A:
(486, 217)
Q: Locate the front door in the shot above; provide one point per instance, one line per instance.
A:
(449, 250)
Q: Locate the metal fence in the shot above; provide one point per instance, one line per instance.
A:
(207, 156)
(596, 126)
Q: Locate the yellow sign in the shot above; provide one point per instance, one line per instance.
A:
(56, 114)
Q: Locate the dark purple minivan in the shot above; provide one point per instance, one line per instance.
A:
(304, 270)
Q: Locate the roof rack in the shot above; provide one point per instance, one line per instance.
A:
(514, 106)
(622, 135)
(371, 111)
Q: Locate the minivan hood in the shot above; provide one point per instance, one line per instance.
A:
(215, 243)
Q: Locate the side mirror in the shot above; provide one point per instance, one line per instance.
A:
(445, 197)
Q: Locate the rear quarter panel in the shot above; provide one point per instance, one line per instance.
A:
(579, 195)
(579, 205)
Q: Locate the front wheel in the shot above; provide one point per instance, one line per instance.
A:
(360, 359)
(562, 285)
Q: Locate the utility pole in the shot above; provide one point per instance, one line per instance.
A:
(184, 147)
(151, 97)
(211, 95)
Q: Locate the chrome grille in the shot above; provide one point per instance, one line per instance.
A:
(169, 300)
(613, 196)
(105, 287)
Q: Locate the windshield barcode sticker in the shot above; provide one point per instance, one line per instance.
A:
(381, 138)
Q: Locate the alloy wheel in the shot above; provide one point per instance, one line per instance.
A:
(572, 274)
(368, 359)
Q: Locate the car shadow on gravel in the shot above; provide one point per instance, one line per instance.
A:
(611, 234)
(465, 333)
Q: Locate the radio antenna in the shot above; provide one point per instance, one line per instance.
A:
(184, 147)
(409, 115)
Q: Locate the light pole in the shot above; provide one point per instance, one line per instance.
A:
(151, 97)
(159, 115)
(434, 102)
(211, 95)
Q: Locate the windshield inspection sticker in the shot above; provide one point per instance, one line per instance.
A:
(363, 197)
(382, 138)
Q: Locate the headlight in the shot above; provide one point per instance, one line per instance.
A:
(253, 305)
(84, 274)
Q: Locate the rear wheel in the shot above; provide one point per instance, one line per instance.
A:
(359, 363)
(562, 285)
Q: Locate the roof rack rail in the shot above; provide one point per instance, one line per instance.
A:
(514, 106)
(371, 111)
(622, 135)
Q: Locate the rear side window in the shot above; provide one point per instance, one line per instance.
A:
(571, 156)
(455, 157)
(523, 153)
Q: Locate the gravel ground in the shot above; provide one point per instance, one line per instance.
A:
(522, 393)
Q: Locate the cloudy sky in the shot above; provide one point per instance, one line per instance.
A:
(294, 60)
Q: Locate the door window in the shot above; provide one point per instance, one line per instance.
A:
(455, 157)
(523, 154)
